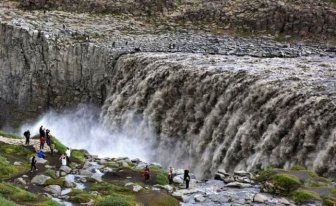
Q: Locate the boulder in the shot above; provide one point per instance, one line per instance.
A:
(260, 198)
(40, 179)
(17, 163)
(238, 185)
(20, 181)
(107, 169)
(178, 179)
(97, 177)
(41, 160)
(65, 169)
(141, 166)
(129, 184)
(137, 188)
(53, 189)
(284, 201)
(199, 198)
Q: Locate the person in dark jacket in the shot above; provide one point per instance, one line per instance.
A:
(187, 180)
(146, 173)
(48, 137)
(42, 132)
(33, 164)
(27, 136)
(170, 175)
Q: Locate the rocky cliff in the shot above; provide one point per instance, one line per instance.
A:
(298, 18)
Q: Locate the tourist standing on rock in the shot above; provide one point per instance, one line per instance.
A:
(48, 137)
(33, 164)
(187, 180)
(186, 173)
(146, 173)
(42, 132)
(27, 136)
(63, 160)
(42, 141)
(170, 175)
(68, 153)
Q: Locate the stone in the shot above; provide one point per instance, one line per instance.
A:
(107, 169)
(137, 188)
(17, 163)
(199, 198)
(178, 179)
(41, 160)
(24, 176)
(141, 166)
(40, 179)
(20, 180)
(66, 169)
(97, 177)
(53, 189)
(85, 172)
(129, 184)
(260, 198)
(238, 185)
(283, 201)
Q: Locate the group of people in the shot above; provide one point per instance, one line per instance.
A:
(45, 137)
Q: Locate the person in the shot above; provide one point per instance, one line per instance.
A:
(52, 146)
(186, 173)
(63, 160)
(146, 173)
(68, 153)
(41, 154)
(187, 180)
(48, 137)
(42, 132)
(42, 141)
(170, 175)
(33, 164)
(27, 135)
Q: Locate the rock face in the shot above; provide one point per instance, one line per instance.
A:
(299, 17)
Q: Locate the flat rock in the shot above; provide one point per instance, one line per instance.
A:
(40, 179)
(17, 163)
(41, 160)
(54, 189)
(199, 198)
(65, 169)
(238, 185)
(137, 188)
(260, 198)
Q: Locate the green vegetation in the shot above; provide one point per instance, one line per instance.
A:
(305, 196)
(78, 155)
(161, 175)
(60, 181)
(266, 174)
(3, 201)
(51, 173)
(107, 188)
(165, 201)
(117, 200)
(9, 135)
(285, 183)
(6, 169)
(81, 196)
(329, 201)
(17, 194)
(15, 150)
(59, 146)
(298, 168)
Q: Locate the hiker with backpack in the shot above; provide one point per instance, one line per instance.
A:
(27, 136)
(33, 164)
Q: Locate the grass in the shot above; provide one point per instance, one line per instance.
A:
(108, 189)
(80, 196)
(117, 200)
(51, 173)
(298, 168)
(16, 150)
(266, 174)
(9, 135)
(3, 201)
(161, 175)
(60, 181)
(59, 146)
(165, 201)
(78, 155)
(329, 201)
(305, 196)
(286, 183)
(17, 194)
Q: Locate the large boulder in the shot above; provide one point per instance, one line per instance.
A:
(178, 179)
(53, 189)
(137, 188)
(40, 179)
(40, 160)
(65, 169)
(260, 198)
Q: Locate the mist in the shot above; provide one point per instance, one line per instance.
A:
(80, 128)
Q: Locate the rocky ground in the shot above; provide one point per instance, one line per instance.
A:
(89, 180)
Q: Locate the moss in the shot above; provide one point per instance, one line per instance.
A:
(329, 201)
(161, 175)
(17, 194)
(16, 150)
(117, 200)
(323, 180)
(285, 183)
(165, 201)
(298, 168)
(78, 155)
(59, 146)
(8, 170)
(80, 196)
(9, 135)
(265, 175)
(51, 173)
(305, 196)
(3, 201)
(108, 189)
(60, 181)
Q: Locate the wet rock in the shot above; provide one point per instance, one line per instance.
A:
(54, 189)
(107, 169)
(178, 179)
(129, 184)
(65, 169)
(40, 179)
(20, 181)
(238, 185)
(137, 188)
(41, 160)
(260, 198)
(17, 163)
(284, 201)
(199, 198)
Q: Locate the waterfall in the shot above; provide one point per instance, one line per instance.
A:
(226, 112)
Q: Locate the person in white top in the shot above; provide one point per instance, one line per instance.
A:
(63, 159)
(68, 153)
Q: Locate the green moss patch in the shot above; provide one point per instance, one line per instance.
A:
(285, 183)
(329, 201)
(105, 188)
(9, 135)
(59, 146)
(18, 195)
(298, 168)
(3, 201)
(161, 175)
(305, 196)
(78, 156)
(51, 173)
(81, 196)
(117, 200)
(60, 181)
(8, 170)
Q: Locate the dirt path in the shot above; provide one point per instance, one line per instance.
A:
(33, 142)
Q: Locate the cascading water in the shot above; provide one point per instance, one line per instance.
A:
(227, 112)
